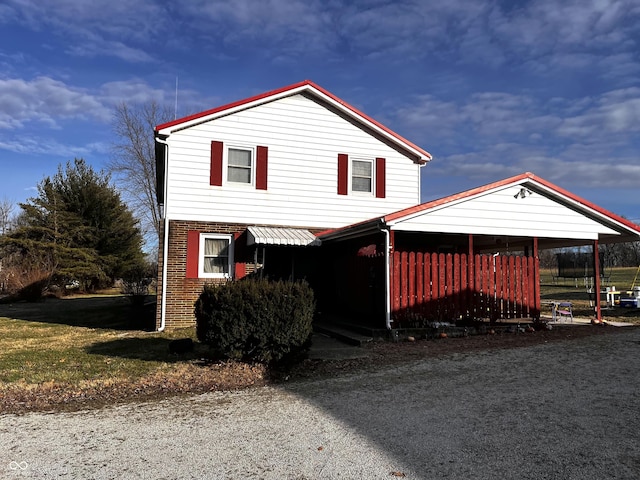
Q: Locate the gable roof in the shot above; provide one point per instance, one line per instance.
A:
(309, 88)
(620, 227)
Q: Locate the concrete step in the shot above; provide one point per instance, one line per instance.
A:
(342, 334)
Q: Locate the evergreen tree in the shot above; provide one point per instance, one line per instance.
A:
(79, 226)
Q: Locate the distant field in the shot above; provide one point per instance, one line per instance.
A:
(576, 291)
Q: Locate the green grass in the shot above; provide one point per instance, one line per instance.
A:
(566, 289)
(79, 340)
(84, 340)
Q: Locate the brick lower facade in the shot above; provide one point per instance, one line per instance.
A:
(182, 292)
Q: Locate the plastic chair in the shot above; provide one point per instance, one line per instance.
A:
(564, 310)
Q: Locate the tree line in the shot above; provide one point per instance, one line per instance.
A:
(611, 255)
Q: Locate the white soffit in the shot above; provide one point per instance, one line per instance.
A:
(281, 236)
(511, 210)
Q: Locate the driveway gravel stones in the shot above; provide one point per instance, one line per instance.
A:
(562, 410)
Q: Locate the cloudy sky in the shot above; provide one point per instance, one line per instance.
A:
(490, 88)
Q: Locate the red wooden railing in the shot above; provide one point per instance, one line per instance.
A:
(439, 287)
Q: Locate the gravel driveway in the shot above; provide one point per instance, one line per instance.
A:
(568, 410)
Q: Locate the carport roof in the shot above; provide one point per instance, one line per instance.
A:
(597, 222)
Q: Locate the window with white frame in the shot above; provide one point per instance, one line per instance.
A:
(362, 176)
(216, 256)
(240, 165)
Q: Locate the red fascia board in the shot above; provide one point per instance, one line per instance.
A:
(588, 204)
(325, 232)
(507, 181)
(229, 106)
(279, 91)
(457, 196)
(353, 227)
(425, 206)
(371, 120)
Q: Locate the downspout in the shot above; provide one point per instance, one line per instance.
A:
(165, 241)
(387, 277)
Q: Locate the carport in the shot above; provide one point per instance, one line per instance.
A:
(469, 255)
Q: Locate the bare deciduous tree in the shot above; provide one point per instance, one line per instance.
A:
(6, 214)
(133, 161)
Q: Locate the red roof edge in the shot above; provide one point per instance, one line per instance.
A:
(507, 181)
(307, 83)
(325, 232)
(456, 196)
(588, 204)
(369, 119)
(228, 106)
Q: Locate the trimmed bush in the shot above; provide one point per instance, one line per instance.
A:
(256, 319)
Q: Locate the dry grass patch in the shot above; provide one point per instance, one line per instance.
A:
(71, 352)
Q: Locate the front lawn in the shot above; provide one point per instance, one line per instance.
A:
(88, 351)
(84, 348)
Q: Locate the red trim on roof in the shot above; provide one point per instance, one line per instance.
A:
(507, 181)
(305, 83)
(479, 190)
(587, 203)
(228, 106)
(457, 196)
(368, 118)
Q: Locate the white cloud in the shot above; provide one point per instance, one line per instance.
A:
(589, 142)
(44, 100)
(132, 91)
(49, 147)
(100, 47)
(50, 102)
(576, 167)
(541, 36)
(616, 112)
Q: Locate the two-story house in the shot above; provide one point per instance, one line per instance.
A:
(298, 183)
(240, 183)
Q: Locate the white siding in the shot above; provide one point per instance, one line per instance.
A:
(500, 213)
(304, 140)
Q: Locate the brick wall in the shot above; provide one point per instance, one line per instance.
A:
(182, 292)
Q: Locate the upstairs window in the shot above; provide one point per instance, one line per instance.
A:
(240, 166)
(362, 176)
(243, 166)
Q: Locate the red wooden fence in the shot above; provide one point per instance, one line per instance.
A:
(439, 287)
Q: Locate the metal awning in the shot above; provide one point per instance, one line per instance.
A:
(281, 236)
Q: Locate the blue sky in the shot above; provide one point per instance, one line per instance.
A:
(490, 88)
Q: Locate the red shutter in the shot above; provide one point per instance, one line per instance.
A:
(381, 179)
(240, 267)
(216, 163)
(262, 161)
(193, 253)
(343, 174)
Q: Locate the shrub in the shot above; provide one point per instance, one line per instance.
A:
(33, 292)
(136, 281)
(256, 319)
